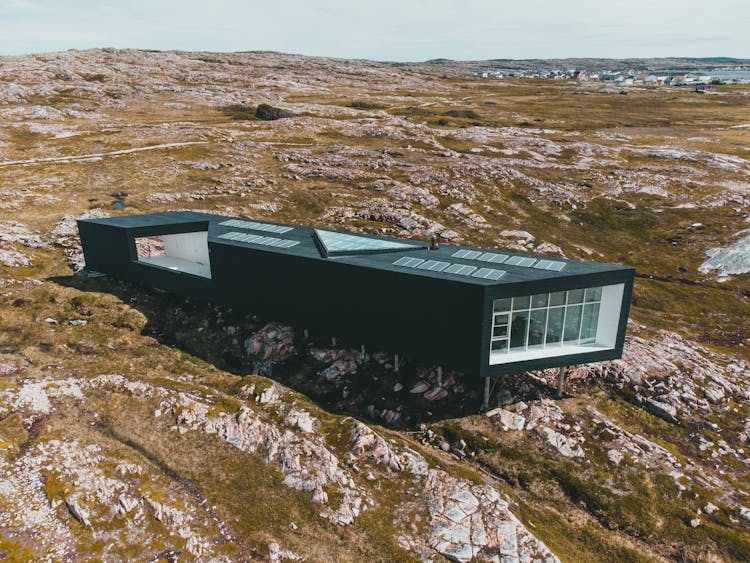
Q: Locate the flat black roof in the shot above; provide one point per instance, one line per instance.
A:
(409, 256)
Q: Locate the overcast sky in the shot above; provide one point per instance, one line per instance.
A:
(401, 30)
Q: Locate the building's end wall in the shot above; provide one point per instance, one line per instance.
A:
(111, 249)
(182, 252)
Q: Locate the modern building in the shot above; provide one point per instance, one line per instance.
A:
(483, 312)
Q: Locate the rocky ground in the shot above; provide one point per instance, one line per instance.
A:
(138, 425)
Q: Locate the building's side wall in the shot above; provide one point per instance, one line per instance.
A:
(622, 277)
(428, 319)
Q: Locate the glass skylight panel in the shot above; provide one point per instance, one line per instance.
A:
(433, 265)
(343, 242)
(256, 226)
(460, 269)
(527, 262)
(492, 257)
(469, 254)
(556, 266)
(514, 260)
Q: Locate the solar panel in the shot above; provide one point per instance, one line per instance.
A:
(527, 262)
(492, 257)
(514, 260)
(258, 239)
(268, 228)
(553, 265)
(433, 265)
(408, 262)
(543, 264)
(470, 254)
(488, 274)
(460, 269)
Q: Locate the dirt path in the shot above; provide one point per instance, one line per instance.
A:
(97, 155)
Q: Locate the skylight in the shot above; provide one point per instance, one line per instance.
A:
(340, 244)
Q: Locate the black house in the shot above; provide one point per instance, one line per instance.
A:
(484, 313)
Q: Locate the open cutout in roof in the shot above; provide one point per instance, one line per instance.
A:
(332, 243)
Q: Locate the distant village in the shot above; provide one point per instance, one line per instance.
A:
(701, 80)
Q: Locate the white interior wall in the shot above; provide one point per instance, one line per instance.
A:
(609, 315)
(192, 247)
(183, 252)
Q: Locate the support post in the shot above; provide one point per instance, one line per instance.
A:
(440, 376)
(333, 341)
(362, 352)
(306, 334)
(486, 404)
(395, 362)
(561, 381)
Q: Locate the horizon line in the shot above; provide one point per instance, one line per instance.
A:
(717, 58)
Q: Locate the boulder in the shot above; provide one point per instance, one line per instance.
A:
(271, 113)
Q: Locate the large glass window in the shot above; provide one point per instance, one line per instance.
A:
(546, 320)
(518, 330)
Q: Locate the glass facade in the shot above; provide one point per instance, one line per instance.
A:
(546, 320)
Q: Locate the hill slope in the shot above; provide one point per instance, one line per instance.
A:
(140, 425)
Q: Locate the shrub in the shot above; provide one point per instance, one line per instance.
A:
(361, 104)
(470, 114)
(239, 112)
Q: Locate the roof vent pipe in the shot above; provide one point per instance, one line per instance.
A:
(434, 245)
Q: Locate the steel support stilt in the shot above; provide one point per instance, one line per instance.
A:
(486, 404)
(561, 381)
